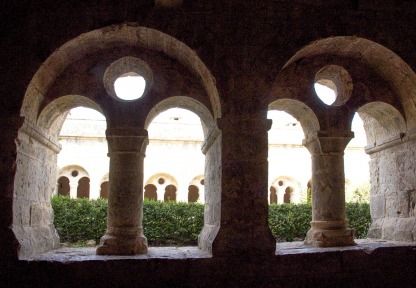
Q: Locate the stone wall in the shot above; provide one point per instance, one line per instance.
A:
(235, 57)
(35, 181)
(212, 209)
(393, 196)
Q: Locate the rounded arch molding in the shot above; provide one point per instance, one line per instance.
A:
(186, 103)
(96, 40)
(54, 113)
(384, 62)
(303, 113)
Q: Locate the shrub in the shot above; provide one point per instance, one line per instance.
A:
(289, 222)
(358, 215)
(79, 219)
(170, 223)
(165, 223)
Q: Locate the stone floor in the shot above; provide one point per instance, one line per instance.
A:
(366, 245)
(193, 252)
(86, 254)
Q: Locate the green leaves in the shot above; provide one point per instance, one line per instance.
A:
(79, 219)
(170, 223)
(289, 222)
(359, 218)
(165, 223)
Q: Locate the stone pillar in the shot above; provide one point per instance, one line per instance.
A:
(244, 226)
(329, 226)
(124, 235)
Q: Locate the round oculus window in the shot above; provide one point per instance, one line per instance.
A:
(129, 86)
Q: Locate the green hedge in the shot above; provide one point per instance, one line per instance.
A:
(165, 223)
(169, 223)
(79, 219)
(290, 222)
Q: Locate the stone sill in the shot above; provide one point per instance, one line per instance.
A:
(368, 246)
(67, 255)
(81, 254)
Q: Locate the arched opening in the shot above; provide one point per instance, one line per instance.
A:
(292, 122)
(193, 194)
(287, 197)
(290, 166)
(155, 186)
(63, 186)
(74, 173)
(83, 141)
(43, 137)
(273, 195)
(150, 192)
(175, 140)
(83, 189)
(183, 141)
(104, 188)
(43, 117)
(356, 164)
(170, 193)
(389, 154)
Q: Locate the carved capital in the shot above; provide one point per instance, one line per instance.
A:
(323, 144)
(127, 140)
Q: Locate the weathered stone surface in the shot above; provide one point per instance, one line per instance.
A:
(235, 57)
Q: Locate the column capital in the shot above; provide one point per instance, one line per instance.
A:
(328, 144)
(127, 140)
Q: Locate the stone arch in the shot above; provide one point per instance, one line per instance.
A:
(384, 62)
(197, 184)
(187, 103)
(83, 189)
(69, 169)
(301, 112)
(150, 192)
(287, 197)
(75, 173)
(104, 186)
(193, 193)
(382, 123)
(107, 37)
(211, 190)
(273, 195)
(170, 193)
(104, 189)
(54, 114)
(63, 186)
(288, 190)
(156, 180)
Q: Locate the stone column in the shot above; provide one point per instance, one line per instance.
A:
(124, 235)
(329, 226)
(244, 226)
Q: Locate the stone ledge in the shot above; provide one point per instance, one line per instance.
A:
(366, 245)
(65, 255)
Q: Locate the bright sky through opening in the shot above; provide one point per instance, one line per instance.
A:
(129, 87)
(326, 94)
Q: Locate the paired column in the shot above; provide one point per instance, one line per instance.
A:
(329, 226)
(124, 235)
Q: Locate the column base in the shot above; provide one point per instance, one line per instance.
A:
(122, 245)
(329, 234)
